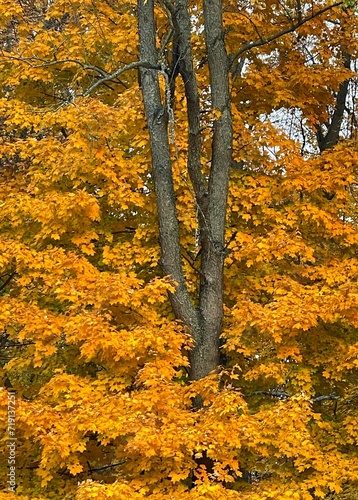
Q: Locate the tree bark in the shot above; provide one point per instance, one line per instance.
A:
(204, 322)
(206, 355)
(330, 139)
(162, 168)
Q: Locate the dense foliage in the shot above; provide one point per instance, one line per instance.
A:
(110, 402)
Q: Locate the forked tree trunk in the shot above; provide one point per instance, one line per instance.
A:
(204, 321)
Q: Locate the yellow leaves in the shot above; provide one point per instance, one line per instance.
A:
(214, 114)
(111, 399)
(156, 373)
(34, 327)
(120, 490)
(75, 468)
(279, 244)
(45, 477)
(303, 379)
(276, 372)
(178, 476)
(9, 9)
(56, 213)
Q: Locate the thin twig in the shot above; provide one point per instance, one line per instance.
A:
(45, 64)
(190, 263)
(105, 75)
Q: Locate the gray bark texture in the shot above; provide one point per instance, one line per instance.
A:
(162, 169)
(204, 321)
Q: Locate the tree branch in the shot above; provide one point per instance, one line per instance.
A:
(105, 75)
(205, 357)
(181, 23)
(105, 467)
(190, 263)
(331, 138)
(291, 29)
(7, 281)
(328, 397)
(156, 115)
(272, 394)
(119, 71)
(280, 394)
(45, 64)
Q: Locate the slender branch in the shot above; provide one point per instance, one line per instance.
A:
(288, 14)
(328, 397)
(280, 394)
(7, 281)
(105, 75)
(90, 469)
(190, 263)
(105, 467)
(291, 29)
(184, 65)
(248, 18)
(129, 230)
(45, 64)
(18, 344)
(119, 71)
(272, 394)
(334, 127)
(232, 237)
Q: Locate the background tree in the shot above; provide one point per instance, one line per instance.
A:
(215, 164)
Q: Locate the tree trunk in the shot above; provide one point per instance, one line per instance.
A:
(204, 322)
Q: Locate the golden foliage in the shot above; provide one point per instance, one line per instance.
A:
(89, 342)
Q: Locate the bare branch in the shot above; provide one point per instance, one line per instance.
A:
(105, 467)
(328, 397)
(248, 18)
(274, 393)
(190, 263)
(183, 63)
(7, 281)
(119, 71)
(105, 75)
(44, 64)
(18, 344)
(334, 127)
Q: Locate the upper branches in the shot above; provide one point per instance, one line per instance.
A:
(290, 29)
(334, 127)
(103, 76)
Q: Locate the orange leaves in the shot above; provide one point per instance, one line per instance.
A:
(89, 340)
(29, 325)
(117, 491)
(52, 211)
(279, 244)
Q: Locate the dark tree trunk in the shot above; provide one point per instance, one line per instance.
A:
(204, 322)
(330, 139)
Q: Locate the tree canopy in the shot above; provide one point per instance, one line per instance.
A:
(179, 249)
